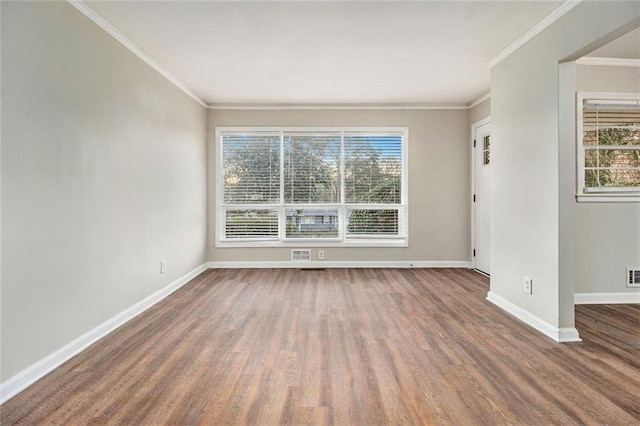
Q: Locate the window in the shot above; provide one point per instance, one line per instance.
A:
(608, 147)
(486, 150)
(319, 186)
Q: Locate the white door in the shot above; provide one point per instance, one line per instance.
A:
(482, 198)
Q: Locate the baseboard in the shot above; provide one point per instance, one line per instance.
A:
(342, 264)
(31, 374)
(606, 298)
(563, 335)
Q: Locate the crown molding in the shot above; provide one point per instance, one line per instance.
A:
(608, 62)
(381, 106)
(82, 7)
(541, 26)
(479, 99)
(298, 107)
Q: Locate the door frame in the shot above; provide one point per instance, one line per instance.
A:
(474, 127)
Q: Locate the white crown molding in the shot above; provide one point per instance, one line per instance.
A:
(342, 264)
(479, 99)
(562, 335)
(541, 26)
(297, 107)
(34, 372)
(606, 298)
(608, 62)
(82, 7)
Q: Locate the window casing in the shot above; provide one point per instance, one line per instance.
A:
(608, 151)
(311, 187)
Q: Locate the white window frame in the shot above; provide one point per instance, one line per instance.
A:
(607, 195)
(400, 240)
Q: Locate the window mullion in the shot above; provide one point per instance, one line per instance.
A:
(282, 216)
(342, 213)
(598, 146)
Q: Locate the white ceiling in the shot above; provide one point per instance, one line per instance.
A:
(336, 52)
(626, 47)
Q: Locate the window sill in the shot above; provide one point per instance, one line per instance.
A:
(608, 198)
(312, 243)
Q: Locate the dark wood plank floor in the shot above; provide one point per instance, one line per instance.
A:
(343, 346)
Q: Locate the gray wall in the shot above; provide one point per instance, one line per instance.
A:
(607, 234)
(103, 176)
(607, 79)
(531, 196)
(480, 111)
(439, 218)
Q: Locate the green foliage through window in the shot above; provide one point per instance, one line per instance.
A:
(611, 144)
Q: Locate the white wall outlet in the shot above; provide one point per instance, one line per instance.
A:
(163, 266)
(528, 285)
(321, 254)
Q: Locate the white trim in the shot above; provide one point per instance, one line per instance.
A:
(480, 99)
(568, 335)
(276, 130)
(342, 264)
(34, 372)
(606, 298)
(608, 62)
(604, 198)
(563, 335)
(342, 107)
(82, 7)
(541, 26)
(381, 106)
(326, 243)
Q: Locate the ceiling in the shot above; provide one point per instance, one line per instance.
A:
(332, 52)
(625, 47)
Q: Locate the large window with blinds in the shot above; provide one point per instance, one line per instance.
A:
(608, 146)
(292, 186)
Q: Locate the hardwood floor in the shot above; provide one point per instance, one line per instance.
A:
(343, 346)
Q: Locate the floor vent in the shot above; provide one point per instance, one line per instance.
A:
(633, 277)
(301, 255)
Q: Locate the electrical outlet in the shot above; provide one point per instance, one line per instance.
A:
(321, 254)
(163, 266)
(528, 285)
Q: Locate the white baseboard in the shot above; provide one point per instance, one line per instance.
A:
(563, 335)
(34, 372)
(606, 298)
(343, 264)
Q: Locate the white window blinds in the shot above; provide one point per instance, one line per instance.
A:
(251, 168)
(373, 167)
(611, 144)
(327, 185)
(312, 168)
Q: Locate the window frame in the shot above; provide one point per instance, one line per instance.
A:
(583, 193)
(400, 240)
